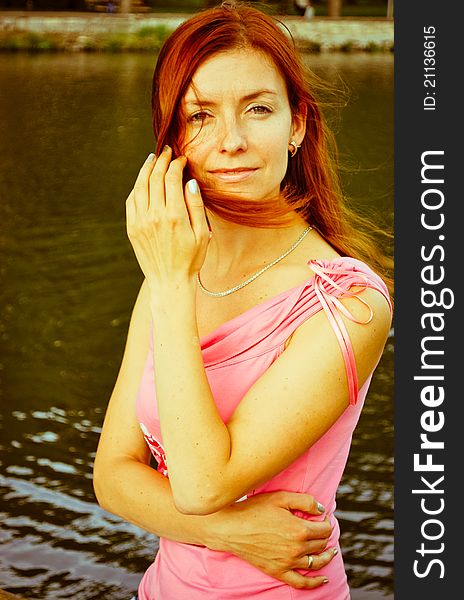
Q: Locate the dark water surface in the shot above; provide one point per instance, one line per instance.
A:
(74, 132)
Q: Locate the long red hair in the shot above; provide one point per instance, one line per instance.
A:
(311, 185)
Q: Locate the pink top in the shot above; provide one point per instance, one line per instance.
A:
(235, 355)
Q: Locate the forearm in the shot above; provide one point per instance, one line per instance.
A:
(262, 530)
(195, 438)
(139, 494)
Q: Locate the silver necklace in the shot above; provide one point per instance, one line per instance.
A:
(260, 272)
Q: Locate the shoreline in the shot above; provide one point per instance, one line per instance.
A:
(99, 32)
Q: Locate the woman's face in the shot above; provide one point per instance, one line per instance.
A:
(239, 124)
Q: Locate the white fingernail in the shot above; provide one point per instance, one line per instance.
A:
(192, 186)
(151, 156)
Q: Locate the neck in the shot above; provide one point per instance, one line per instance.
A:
(236, 248)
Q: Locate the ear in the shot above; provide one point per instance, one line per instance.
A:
(299, 124)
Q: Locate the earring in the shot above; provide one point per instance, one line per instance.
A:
(294, 148)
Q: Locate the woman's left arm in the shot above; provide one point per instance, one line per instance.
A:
(296, 400)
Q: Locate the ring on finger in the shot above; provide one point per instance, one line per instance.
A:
(310, 560)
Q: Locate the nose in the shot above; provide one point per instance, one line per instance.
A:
(232, 136)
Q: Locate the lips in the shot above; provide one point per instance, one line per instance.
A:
(233, 175)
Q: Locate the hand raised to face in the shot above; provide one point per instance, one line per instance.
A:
(166, 222)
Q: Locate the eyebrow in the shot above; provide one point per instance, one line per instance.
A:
(251, 96)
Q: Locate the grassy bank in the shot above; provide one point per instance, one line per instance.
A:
(146, 39)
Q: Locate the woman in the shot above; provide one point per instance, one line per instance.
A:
(255, 333)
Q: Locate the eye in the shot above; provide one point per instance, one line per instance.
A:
(260, 109)
(198, 117)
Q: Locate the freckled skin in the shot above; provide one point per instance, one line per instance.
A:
(227, 128)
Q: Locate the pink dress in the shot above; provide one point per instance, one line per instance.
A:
(235, 355)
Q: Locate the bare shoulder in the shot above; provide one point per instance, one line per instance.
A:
(368, 316)
(367, 323)
(369, 306)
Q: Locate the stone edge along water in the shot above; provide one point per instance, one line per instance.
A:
(317, 34)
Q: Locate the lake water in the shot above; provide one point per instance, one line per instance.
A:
(74, 130)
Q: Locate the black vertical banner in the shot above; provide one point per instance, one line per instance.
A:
(429, 265)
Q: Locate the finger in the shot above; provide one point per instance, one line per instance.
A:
(314, 532)
(299, 581)
(145, 171)
(318, 530)
(304, 502)
(141, 184)
(174, 189)
(156, 186)
(130, 211)
(196, 210)
(316, 546)
(314, 562)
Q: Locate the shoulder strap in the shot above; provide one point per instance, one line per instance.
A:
(332, 280)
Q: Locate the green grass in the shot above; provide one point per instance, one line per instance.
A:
(113, 43)
(157, 31)
(29, 41)
(148, 39)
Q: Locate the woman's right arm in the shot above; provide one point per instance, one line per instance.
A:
(260, 530)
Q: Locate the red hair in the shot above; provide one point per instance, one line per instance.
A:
(311, 184)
